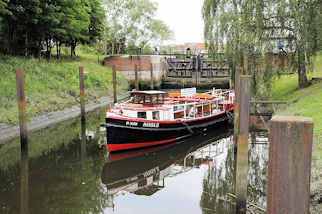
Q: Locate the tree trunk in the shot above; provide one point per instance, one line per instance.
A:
(112, 48)
(57, 51)
(105, 47)
(302, 79)
(73, 48)
(119, 48)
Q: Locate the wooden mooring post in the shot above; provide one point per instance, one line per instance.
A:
(114, 84)
(236, 106)
(21, 108)
(236, 121)
(24, 162)
(136, 77)
(152, 81)
(289, 168)
(242, 144)
(82, 92)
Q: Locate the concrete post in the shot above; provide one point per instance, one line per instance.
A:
(289, 168)
(242, 145)
(114, 84)
(82, 92)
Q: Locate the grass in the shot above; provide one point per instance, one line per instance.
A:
(305, 102)
(51, 85)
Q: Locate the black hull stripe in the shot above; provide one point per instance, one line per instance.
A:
(168, 129)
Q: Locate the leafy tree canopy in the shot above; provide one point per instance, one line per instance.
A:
(247, 27)
(131, 23)
(30, 26)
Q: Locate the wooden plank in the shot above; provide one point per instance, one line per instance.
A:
(289, 168)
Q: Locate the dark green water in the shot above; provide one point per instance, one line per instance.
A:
(68, 170)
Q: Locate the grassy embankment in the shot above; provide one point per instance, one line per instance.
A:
(51, 85)
(305, 102)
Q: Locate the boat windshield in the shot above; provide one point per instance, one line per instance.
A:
(145, 98)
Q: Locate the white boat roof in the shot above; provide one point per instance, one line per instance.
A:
(150, 92)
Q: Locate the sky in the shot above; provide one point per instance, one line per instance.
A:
(183, 17)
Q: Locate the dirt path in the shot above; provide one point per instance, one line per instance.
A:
(306, 95)
(8, 132)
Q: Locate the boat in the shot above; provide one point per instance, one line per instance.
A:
(151, 118)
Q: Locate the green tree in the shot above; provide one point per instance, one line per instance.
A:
(131, 24)
(27, 26)
(247, 26)
(3, 7)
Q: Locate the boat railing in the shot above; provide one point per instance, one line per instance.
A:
(203, 108)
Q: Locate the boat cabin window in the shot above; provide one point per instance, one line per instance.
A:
(147, 98)
(155, 115)
(137, 99)
(142, 115)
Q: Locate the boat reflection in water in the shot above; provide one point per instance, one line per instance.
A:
(143, 172)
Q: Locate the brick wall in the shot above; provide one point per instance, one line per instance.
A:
(127, 63)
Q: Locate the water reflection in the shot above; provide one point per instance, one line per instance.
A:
(83, 148)
(78, 176)
(143, 172)
(24, 179)
(65, 178)
(217, 196)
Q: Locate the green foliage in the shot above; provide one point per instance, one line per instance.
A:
(31, 26)
(50, 85)
(131, 24)
(249, 31)
(303, 102)
(3, 7)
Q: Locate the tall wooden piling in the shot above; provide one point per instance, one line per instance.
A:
(236, 106)
(21, 108)
(24, 162)
(242, 144)
(136, 77)
(236, 120)
(152, 80)
(114, 84)
(82, 92)
(289, 169)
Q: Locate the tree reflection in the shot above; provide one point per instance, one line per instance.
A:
(55, 181)
(219, 179)
(258, 163)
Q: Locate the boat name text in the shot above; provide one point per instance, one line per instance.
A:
(129, 123)
(153, 125)
(151, 172)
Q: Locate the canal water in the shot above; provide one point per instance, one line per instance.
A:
(68, 170)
